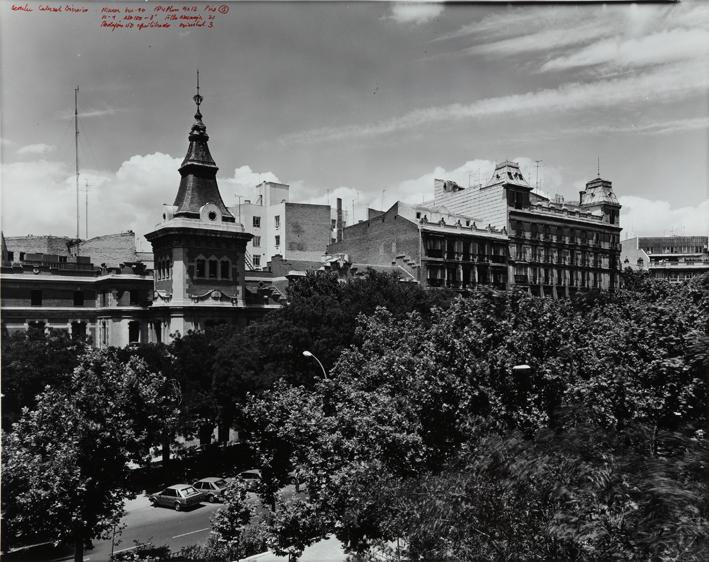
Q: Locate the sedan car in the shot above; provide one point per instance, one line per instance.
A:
(252, 478)
(211, 489)
(178, 497)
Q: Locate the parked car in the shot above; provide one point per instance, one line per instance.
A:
(252, 478)
(211, 489)
(178, 497)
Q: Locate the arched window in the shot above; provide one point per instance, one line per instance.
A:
(200, 268)
(213, 266)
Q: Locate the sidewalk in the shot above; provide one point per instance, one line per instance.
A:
(328, 550)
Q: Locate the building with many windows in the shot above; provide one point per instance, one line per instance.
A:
(198, 276)
(556, 248)
(110, 305)
(672, 258)
(502, 234)
(280, 227)
(429, 245)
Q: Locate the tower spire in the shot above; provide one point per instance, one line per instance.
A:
(198, 185)
(76, 154)
(198, 99)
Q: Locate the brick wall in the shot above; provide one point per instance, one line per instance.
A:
(307, 231)
(379, 240)
(37, 245)
(111, 249)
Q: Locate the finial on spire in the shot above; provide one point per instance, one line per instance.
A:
(598, 167)
(198, 98)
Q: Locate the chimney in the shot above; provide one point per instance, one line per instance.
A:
(339, 220)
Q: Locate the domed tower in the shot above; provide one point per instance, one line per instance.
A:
(599, 197)
(199, 248)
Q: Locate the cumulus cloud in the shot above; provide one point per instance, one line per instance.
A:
(243, 184)
(129, 198)
(415, 12)
(646, 217)
(39, 149)
(662, 84)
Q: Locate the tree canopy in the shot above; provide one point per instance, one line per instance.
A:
(424, 431)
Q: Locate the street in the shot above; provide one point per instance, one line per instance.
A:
(143, 523)
(176, 529)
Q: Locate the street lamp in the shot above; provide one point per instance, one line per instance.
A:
(308, 354)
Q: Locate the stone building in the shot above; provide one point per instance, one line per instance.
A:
(556, 248)
(280, 227)
(429, 245)
(672, 258)
(502, 234)
(110, 305)
(105, 289)
(199, 251)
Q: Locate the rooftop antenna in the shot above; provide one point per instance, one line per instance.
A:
(76, 154)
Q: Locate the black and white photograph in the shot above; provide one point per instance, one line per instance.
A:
(341, 281)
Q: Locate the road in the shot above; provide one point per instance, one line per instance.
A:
(176, 529)
(143, 523)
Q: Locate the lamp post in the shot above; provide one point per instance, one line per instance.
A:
(308, 354)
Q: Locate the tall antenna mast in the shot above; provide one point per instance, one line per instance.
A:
(86, 213)
(598, 167)
(76, 153)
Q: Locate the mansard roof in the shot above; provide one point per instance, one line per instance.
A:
(507, 173)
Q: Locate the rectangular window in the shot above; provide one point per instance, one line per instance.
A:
(225, 269)
(213, 269)
(36, 298)
(257, 222)
(22, 256)
(133, 332)
(277, 221)
(134, 298)
(257, 261)
(278, 241)
(62, 259)
(200, 268)
(257, 241)
(333, 223)
(78, 298)
(11, 256)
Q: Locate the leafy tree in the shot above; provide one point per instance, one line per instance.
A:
(193, 370)
(229, 521)
(65, 463)
(159, 418)
(423, 430)
(32, 360)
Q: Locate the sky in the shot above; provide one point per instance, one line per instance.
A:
(365, 101)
